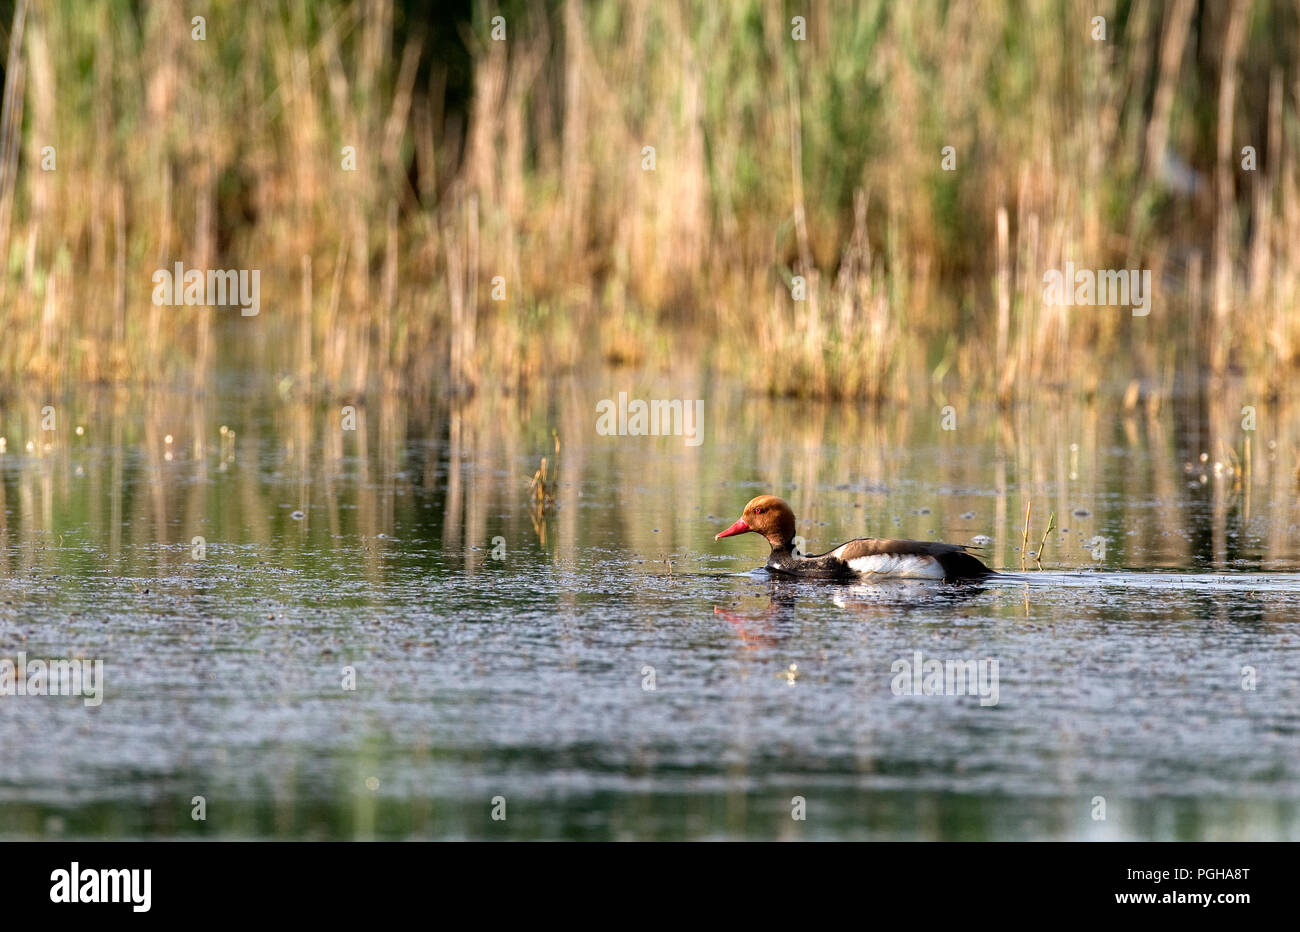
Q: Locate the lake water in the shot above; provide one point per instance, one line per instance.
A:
(1149, 672)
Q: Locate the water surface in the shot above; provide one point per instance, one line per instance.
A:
(500, 655)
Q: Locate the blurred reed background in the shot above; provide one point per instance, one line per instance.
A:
(774, 158)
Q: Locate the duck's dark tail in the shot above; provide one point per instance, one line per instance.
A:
(960, 566)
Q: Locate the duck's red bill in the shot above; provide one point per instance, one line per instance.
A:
(740, 527)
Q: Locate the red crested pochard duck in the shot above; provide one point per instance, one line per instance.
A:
(866, 557)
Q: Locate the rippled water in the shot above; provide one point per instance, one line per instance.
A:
(504, 658)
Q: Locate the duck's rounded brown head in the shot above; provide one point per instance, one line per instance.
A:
(766, 515)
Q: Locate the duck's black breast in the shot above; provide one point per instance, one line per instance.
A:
(819, 567)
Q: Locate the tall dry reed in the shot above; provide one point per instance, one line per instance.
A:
(629, 181)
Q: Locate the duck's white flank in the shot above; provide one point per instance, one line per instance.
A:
(901, 565)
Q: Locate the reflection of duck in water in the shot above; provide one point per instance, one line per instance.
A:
(886, 601)
(750, 630)
(866, 558)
